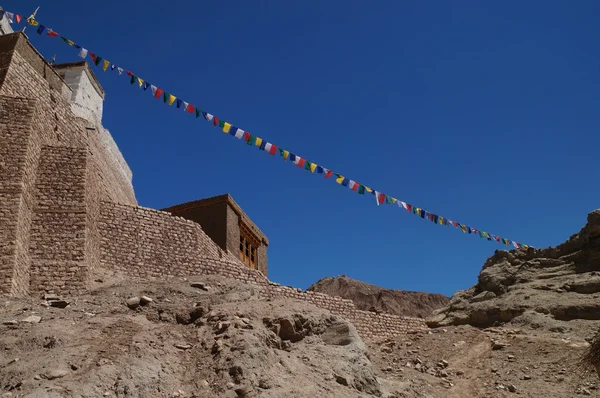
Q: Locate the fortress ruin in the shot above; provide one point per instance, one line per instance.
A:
(67, 204)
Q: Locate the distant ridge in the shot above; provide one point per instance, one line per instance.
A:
(369, 297)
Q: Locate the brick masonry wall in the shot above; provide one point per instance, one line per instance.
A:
(16, 192)
(60, 214)
(58, 228)
(152, 243)
(27, 75)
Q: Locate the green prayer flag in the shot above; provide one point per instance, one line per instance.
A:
(388, 200)
(132, 79)
(307, 165)
(361, 190)
(98, 59)
(65, 40)
(198, 112)
(221, 123)
(166, 96)
(251, 140)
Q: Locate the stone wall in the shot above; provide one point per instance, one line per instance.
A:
(54, 169)
(67, 206)
(151, 243)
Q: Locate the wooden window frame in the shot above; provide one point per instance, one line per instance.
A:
(249, 244)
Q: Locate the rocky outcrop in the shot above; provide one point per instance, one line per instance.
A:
(369, 297)
(562, 283)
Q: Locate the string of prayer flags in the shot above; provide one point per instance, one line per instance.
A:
(263, 145)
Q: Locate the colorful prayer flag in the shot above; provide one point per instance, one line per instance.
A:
(239, 134)
(172, 99)
(226, 127)
(52, 33)
(179, 103)
(106, 65)
(83, 53)
(40, 29)
(298, 161)
(271, 149)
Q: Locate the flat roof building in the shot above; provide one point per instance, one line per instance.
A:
(228, 226)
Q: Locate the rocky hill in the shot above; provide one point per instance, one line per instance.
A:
(369, 297)
(554, 288)
(215, 337)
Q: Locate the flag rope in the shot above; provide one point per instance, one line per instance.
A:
(254, 140)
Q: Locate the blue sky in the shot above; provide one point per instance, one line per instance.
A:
(487, 114)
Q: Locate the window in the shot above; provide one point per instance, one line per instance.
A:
(248, 246)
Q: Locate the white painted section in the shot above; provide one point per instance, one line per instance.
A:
(5, 27)
(86, 102)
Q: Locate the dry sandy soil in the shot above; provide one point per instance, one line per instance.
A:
(225, 342)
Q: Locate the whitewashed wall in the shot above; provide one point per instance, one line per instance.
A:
(84, 94)
(5, 27)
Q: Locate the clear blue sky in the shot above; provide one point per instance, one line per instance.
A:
(488, 114)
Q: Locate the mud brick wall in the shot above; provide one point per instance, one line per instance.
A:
(67, 206)
(369, 325)
(147, 242)
(25, 74)
(59, 222)
(17, 164)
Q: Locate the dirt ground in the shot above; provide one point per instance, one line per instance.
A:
(217, 339)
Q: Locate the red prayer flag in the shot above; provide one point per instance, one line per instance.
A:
(159, 92)
(52, 33)
(215, 121)
(328, 174)
(191, 108)
(93, 56)
(18, 18)
(246, 136)
(273, 150)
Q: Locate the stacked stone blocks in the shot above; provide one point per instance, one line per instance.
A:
(67, 207)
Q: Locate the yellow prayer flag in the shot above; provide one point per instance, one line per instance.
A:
(71, 42)
(464, 228)
(313, 167)
(339, 179)
(226, 127)
(394, 200)
(140, 81)
(106, 65)
(285, 154)
(258, 141)
(368, 189)
(441, 220)
(32, 22)
(172, 99)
